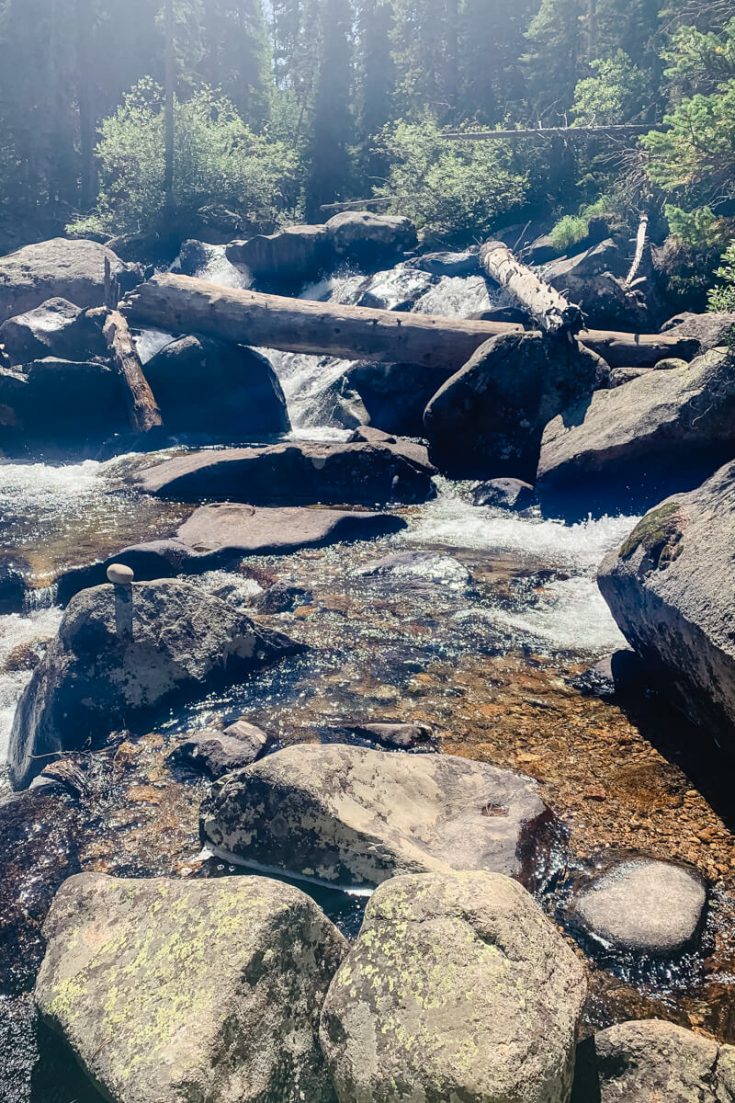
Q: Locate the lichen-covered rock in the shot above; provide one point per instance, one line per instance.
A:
(643, 906)
(643, 1062)
(488, 419)
(122, 655)
(671, 589)
(663, 428)
(59, 268)
(178, 991)
(351, 816)
(458, 988)
(216, 388)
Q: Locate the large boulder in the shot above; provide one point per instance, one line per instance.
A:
(218, 389)
(73, 270)
(219, 534)
(289, 257)
(350, 816)
(640, 1062)
(122, 654)
(70, 400)
(488, 419)
(670, 588)
(368, 239)
(458, 988)
(56, 328)
(593, 279)
(662, 432)
(394, 396)
(643, 906)
(172, 990)
(295, 474)
(709, 330)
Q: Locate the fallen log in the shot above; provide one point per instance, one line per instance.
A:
(182, 304)
(617, 130)
(142, 406)
(548, 307)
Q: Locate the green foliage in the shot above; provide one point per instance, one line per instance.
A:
(455, 189)
(613, 95)
(217, 158)
(569, 231)
(722, 298)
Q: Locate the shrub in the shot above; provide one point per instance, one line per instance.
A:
(569, 231)
(217, 159)
(722, 298)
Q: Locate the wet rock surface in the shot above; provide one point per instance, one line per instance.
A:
(643, 906)
(458, 987)
(670, 589)
(166, 989)
(121, 654)
(645, 1061)
(488, 419)
(505, 494)
(220, 752)
(294, 474)
(398, 737)
(349, 816)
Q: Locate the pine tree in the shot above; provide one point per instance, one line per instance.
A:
(426, 44)
(236, 56)
(376, 80)
(332, 123)
(492, 46)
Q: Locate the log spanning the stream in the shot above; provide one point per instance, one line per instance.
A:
(182, 304)
(549, 309)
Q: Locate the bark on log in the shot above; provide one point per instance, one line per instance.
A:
(182, 304)
(142, 406)
(553, 313)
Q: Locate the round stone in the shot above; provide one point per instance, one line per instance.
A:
(120, 575)
(644, 906)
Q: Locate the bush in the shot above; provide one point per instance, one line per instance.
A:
(453, 190)
(217, 159)
(722, 298)
(569, 231)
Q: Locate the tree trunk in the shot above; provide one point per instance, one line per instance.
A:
(617, 130)
(142, 406)
(180, 304)
(85, 98)
(553, 313)
(640, 248)
(170, 132)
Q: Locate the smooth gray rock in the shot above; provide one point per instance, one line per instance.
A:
(368, 238)
(174, 990)
(488, 419)
(294, 474)
(121, 656)
(290, 256)
(220, 752)
(59, 268)
(462, 264)
(710, 330)
(56, 328)
(662, 425)
(643, 906)
(458, 988)
(217, 389)
(671, 589)
(392, 734)
(68, 400)
(394, 396)
(350, 816)
(593, 279)
(511, 494)
(648, 1061)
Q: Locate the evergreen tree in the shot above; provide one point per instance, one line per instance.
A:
(236, 56)
(426, 50)
(555, 56)
(332, 124)
(376, 80)
(492, 45)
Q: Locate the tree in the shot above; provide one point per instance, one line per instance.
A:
(376, 75)
(236, 56)
(492, 45)
(615, 93)
(329, 163)
(554, 59)
(426, 44)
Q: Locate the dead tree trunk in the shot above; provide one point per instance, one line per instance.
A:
(553, 313)
(640, 248)
(142, 406)
(180, 304)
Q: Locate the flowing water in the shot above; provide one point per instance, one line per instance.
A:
(483, 629)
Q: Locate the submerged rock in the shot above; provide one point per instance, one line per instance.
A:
(295, 474)
(216, 388)
(56, 328)
(350, 816)
(172, 990)
(458, 988)
(644, 1061)
(643, 906)
(666, 428)
(488, 419)
(120, 657)
(392, 733)
(12, 587)
(448, 264)
(60, 268)
(419, 568)
(671, 589)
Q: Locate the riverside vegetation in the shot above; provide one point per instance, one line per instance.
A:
(366, 727)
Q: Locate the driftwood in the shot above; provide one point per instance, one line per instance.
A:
(640, 249)
(142, 406)
(181, 304)
(550, 310)
(622, 130)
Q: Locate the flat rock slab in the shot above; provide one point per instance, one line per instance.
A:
(294, 474)
(644, 906)
(643, 1062)
(172, 990)
(353, 817)
(458, 988)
